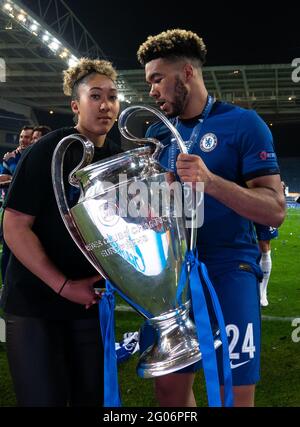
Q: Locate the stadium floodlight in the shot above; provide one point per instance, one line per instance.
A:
(30, 24)
(72, 61)
(8, 7)
(122, 98)
(46, 37)
(54, 45)
(121, 88)
(21, 17)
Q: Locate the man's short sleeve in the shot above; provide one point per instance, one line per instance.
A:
(256, 144)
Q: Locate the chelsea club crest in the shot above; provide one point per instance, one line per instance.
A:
(208, 142)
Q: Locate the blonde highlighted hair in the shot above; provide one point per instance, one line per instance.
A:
(76, 74)
(174, 44)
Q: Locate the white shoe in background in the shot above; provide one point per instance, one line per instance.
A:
(263, 301)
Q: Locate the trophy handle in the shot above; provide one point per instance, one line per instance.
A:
(124, 116)
(59, 188)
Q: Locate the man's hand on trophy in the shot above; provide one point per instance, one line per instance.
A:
(192, 169)
(9, 155)
(82, 291)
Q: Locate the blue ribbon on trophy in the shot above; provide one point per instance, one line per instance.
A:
(204, 330)
(107, 326)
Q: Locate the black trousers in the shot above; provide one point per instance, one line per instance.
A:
(55, 363)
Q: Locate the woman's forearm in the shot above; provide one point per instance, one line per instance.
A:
(26, 246)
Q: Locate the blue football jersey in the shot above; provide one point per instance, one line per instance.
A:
(236, 145)
(11, 163)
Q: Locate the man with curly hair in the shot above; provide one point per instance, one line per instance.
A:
(230, 150)
(53, 337)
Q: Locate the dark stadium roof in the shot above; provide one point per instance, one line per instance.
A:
(34, 72)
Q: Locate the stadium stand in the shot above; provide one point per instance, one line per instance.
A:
(290, 173)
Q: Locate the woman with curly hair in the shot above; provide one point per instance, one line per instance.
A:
(53, 338)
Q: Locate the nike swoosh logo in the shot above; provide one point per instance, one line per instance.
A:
(232, 366)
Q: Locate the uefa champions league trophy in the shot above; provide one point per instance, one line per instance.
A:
(143, 255)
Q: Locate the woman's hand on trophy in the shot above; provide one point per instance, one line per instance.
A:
(82, 291)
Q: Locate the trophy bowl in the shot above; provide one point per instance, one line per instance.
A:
(130, 226)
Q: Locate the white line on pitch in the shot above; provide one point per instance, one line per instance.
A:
(122, 307)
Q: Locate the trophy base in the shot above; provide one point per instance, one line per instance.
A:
(176, 345)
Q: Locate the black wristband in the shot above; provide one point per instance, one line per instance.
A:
(63, 285)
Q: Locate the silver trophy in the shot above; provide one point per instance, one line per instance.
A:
(141, 251)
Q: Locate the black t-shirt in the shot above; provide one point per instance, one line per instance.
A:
(32, 193)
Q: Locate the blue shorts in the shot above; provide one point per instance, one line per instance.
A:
(264, 232)
(238, 293)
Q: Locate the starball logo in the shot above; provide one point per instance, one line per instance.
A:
(2, 71)
(296, 71)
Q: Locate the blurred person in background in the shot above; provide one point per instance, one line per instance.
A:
(28, 136)
(11, 158)
(264, 236)
(38, 132)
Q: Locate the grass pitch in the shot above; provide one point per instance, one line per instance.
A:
(280, 361)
